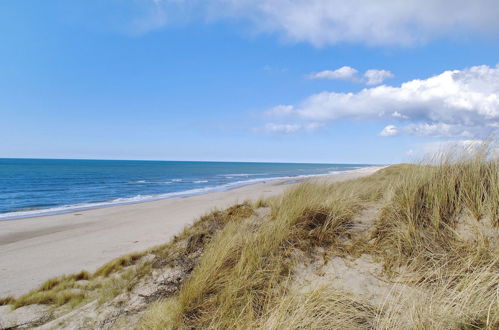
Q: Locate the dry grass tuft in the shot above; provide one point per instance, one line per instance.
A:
(50, 297)
(418, 226)
(244, 268)
(56, 291)
(118, 264)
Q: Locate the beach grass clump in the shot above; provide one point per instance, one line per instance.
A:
(74, 289)
(64, 282)
(235, 276)
(56, 291)
(51, 297)
(118, 264)
(244, 269)
(9, 300)
(317, 215)
(421, 223)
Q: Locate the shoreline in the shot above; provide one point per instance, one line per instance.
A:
(38, 248)
(63, 209)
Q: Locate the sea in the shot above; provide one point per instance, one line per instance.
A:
(35, 187)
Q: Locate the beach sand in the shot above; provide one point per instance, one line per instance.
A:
(33, 250)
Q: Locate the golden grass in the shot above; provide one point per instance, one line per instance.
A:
(118, 264)
(242, 279)
(245, 267)
(418, 227)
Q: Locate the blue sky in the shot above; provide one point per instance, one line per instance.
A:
(245, 80)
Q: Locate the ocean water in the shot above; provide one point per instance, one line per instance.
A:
(33, 187)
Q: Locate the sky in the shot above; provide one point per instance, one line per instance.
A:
(319, 81)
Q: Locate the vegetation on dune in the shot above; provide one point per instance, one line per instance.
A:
(435, 237)
(244, 277)
(420, 226)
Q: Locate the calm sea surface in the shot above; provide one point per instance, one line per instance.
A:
(31, 187)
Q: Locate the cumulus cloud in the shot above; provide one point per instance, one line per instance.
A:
(457, 103)
(343, 73)
(370, 77)
(389, 130)
(326, 22)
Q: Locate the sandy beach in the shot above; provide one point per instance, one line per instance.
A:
(33, 250)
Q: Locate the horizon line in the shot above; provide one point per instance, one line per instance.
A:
(199, 161)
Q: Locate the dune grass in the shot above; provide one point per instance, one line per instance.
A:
(243, 278)
(419, 226)
(245, 268)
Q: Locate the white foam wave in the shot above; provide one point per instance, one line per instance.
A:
(152, 182)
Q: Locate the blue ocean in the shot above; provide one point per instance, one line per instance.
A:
(32, 187)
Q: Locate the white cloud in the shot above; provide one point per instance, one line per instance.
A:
(376, 77)
(326, 22)
(461, 103)
(343, 73)
(370, 77)
(390, 130)
(291, 128)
